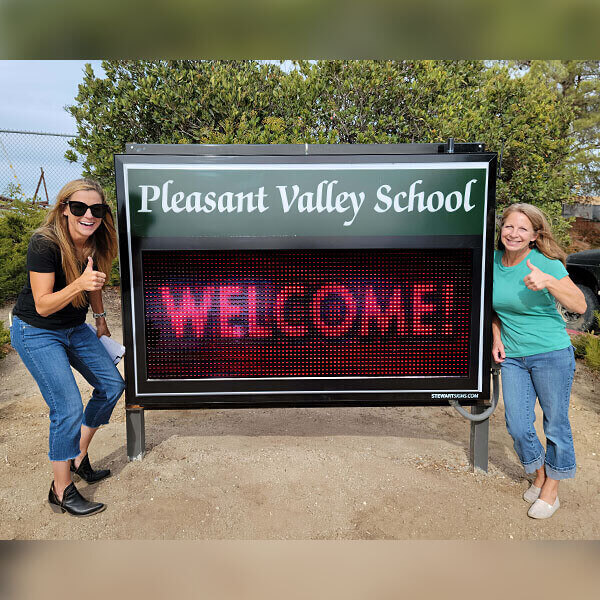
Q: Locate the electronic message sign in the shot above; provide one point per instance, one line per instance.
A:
(305, 276)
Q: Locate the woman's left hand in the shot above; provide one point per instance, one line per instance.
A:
(536, 280)
(102, 328)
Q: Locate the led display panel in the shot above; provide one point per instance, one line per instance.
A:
(307, 313)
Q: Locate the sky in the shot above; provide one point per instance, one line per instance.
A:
(33, 95)
(35, 92)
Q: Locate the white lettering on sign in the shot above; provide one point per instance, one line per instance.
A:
(401, 201)
(227, 202)
(449, 396)
(321, 200)
(325, 197)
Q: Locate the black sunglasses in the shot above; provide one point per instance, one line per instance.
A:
(78, 209)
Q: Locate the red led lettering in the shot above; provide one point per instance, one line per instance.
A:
(328, 329)
(421, 309)
(254, 330)
(227, 311)
(280, 301)
(372, 311)
(335, 320)
(187, 311)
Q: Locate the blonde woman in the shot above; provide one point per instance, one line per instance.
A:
(531, 342)
(67, 262)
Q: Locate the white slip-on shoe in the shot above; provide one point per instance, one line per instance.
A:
(542, 510)
(532, 494)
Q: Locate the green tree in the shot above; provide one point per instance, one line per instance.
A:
(578, 82)
(370, 102)
(16, 226)
(530, 124)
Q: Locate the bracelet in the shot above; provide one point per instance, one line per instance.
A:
(99, 315)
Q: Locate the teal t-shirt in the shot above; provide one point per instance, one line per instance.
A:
(530, 322)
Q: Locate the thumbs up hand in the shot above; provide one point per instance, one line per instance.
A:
(91, 280)
(536, 280)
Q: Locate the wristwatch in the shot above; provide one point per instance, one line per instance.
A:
(98, 315)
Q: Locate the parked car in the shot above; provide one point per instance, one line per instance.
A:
(584, 270)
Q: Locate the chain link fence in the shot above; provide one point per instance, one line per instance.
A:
(24, 155)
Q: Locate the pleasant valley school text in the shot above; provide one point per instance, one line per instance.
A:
(325, 197)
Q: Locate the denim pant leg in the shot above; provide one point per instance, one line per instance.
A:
(44, 354)
(89, 357)
(552, 374)
(519, 397)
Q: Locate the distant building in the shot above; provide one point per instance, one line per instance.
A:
(583, 207)
(585, 233)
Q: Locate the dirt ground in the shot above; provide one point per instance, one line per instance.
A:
(322, 473)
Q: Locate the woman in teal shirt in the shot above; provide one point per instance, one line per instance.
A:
(531, 342)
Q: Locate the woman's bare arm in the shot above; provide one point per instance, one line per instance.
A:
(47, 302)
(498, 353)
(564, 290)
(98, 307)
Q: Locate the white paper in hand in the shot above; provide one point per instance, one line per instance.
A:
(114, 349)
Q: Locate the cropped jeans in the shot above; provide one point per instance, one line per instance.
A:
(547, 376)
(49, 356)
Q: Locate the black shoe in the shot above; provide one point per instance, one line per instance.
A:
(86, 472)
(73, 502)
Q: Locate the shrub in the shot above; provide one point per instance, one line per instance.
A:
(4, 340)
(592, 353)
(579, 343)
(17, 223)
(114, 277)
(587, 347)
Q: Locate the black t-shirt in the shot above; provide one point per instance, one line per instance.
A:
(43, 256)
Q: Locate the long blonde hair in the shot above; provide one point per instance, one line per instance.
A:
(545, 241)
(101, 246)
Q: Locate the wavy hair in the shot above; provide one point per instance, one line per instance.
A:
(545, 241)
(101, 246)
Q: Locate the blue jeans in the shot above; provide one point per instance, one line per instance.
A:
(549, 377)
(49, 356)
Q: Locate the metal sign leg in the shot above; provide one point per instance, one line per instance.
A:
(479, 445)
(136, 433)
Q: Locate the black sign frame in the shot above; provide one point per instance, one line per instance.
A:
(236, 393)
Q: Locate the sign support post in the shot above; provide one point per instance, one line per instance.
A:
(136, 432)
(479, 441)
